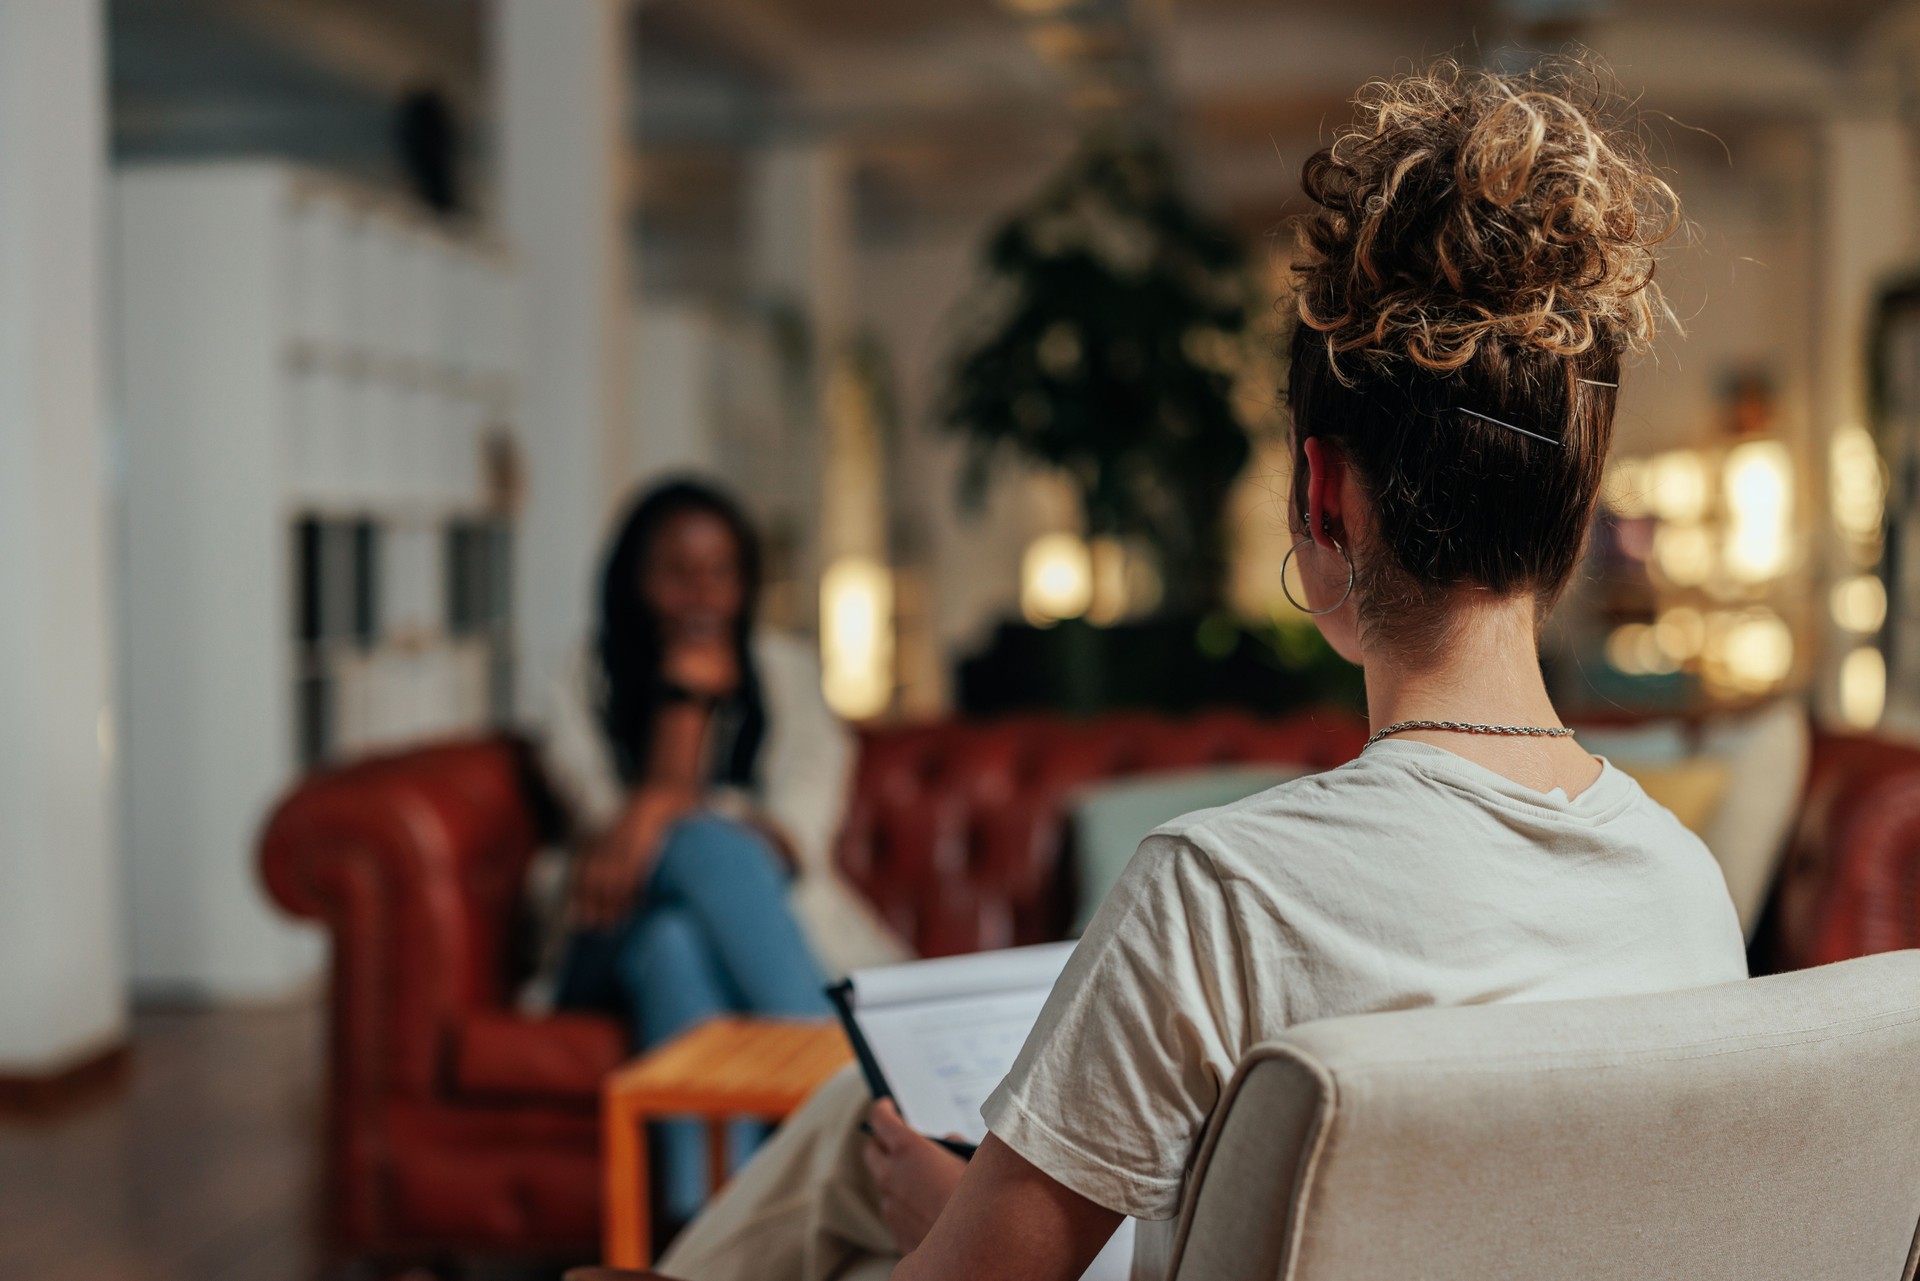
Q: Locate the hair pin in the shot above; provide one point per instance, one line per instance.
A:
(1474, 413)
(1596, 382)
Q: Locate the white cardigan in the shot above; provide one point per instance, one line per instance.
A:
(805, 767)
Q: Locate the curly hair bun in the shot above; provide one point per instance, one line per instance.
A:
(1464, 208)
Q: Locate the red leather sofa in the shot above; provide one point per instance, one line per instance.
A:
(456, 1125)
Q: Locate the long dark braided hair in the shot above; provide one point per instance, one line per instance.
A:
(630, 647)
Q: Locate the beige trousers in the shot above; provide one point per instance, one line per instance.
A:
(804, 1209)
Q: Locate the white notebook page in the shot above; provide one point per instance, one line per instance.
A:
(945, 1033)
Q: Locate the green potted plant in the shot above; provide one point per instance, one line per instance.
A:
(1107, 343)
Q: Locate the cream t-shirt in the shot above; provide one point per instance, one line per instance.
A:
(1409, 877)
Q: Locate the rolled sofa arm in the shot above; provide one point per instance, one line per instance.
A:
(413, 863)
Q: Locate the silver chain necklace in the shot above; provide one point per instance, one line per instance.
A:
(1469, 727)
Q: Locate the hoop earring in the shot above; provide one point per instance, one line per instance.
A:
(1289, 595)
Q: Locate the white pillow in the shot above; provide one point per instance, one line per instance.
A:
(1766, 756)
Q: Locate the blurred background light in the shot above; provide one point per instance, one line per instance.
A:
(1758, 489)
(1056, 579)
(1624, 488)
(1859, 603)
(1684, 554)
(1863, 687)
(1635, 649)
(1681, 632)
(856, 633)
(1747, 652)
(1858, 483)
(1678, 487)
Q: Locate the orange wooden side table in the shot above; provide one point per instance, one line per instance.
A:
(722, 1069)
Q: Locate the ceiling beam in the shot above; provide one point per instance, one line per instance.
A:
(763, 34)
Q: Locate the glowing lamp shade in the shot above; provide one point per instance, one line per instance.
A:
(1860, 603)
(1056, 579)
(1758, 488)
(856, 637)
(1863, 687)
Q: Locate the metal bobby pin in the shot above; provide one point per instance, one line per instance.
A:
(1595, 382)
(1474, 413)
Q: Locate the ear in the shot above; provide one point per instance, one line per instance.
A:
(1326, 486)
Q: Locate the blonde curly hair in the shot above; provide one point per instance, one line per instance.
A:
(1479, 258)
(1465, 207)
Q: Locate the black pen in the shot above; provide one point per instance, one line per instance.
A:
(959, 1147)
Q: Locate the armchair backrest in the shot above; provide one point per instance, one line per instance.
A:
(1768, 1128)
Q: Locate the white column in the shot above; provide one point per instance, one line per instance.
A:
(800, 242)
(61, 1000)
(561, 79)
(801, 260)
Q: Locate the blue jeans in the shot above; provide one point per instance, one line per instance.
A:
(709, 934)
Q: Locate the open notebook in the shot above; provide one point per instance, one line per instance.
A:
(938, 1036)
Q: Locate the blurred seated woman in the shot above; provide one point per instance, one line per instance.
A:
(1476, 260)
(707, 777)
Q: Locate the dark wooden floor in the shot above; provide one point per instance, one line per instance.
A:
(203, 1167)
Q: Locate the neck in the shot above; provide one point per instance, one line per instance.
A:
(1489, 673)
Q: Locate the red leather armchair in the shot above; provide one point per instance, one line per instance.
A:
(452, 1123)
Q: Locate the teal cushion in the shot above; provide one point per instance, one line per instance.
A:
(1111, 818)
(1662, 742)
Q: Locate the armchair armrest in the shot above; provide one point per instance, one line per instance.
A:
(556, 1057)
(1850, 883)
(413, 863)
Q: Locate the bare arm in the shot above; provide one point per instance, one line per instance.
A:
(1010, 1221)
(621, 858)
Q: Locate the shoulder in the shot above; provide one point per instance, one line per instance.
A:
(1659, 828)
(1352, 797)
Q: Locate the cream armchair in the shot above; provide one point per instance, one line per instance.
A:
(1755, 1131)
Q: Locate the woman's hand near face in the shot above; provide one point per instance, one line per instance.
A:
(706, 664)
(914, 1175)
(615, 867)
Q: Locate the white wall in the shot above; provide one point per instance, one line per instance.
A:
(1736, 277)
(59, 927)
(674, 409)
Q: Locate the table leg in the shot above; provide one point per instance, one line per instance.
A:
(626, 1233)
(716, 1154)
